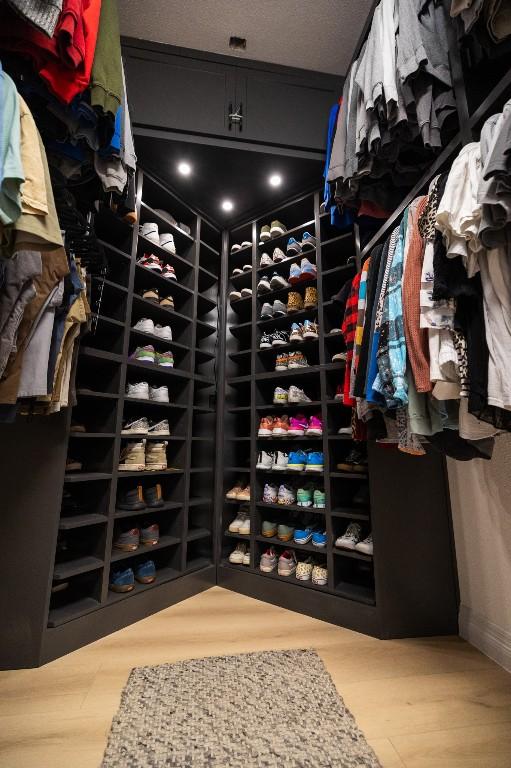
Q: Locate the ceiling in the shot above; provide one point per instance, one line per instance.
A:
(220, 173)
(310, 34)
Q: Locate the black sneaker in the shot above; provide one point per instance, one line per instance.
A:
(356, 461)
(279, 338)
(265, 341)
(132, 500)
(153, 496)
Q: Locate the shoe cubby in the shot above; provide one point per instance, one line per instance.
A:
(74, 597)
(105, 334)
(200, 521)
(171, 486)
(96, 372)
(95, 454)
(198, 553)
(353, 577)
(108, 299)
(167, 561)
(115, 234)
(169, 524)
(100, 419)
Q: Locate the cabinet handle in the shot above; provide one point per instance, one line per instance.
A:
(236, 117)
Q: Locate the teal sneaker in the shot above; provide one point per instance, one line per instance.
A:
(304, 496)
(319, 499)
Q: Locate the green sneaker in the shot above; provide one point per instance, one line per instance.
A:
(304, 497)
(144, 354)
(269, 529)
(319, 499)
(285, 532)
(277, 228)
(265, 234)
(166, 359)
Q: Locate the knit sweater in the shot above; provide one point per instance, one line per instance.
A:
(416, 337)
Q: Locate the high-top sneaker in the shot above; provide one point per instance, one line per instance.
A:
(154, 497)
(132, 500)
(167, 242)
(281, 461)
(133, 457)
(156, 455)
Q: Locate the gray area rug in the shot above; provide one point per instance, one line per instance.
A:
(276, 709)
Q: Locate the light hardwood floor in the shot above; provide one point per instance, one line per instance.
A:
(425, 703)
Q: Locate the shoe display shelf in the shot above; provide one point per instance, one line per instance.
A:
(75, 512)
(408, 586)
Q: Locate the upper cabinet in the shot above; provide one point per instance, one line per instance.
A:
(179, 93)
(196, 93)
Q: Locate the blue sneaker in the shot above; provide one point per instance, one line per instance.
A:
(304, 535)
(297, 460)
(315, 462)
(293, 246)
(308, 270)
(295, 274)
(145, 573)
(308, 242)
(122, 581)
(319, 538)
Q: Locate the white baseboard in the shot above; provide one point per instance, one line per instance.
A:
(486, 636)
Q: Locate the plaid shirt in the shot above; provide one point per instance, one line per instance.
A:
(348, 328)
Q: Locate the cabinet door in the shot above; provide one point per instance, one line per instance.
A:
(179, 93)
(286, 109)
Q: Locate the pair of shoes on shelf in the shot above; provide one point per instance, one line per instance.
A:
(130, 540)
(289, 360)
(288, 565)
(235, 247)
(146, 325)
(305, 496)
(153, 295)
(142, 455)
(301, 273)
(295, 461)
(307, 243)
(245, 293)
(291, 396)
(124, 581)
(143, 427)
(355, 461)
(352, 539)
(306, 331)
(240, 555)
(237, 271)
(152, 262)
(165, 240)
(296, 426)
(139, 498)
(271, 311)
(239, 492)
(241, 523)
(275, 229)
(142, 391)
(277, 256)
(147, 354)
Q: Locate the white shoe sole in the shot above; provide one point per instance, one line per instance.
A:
(134, 433)
(264, 237)
(321, 583)
(364, 550)
(263, 466)
(302, 541)
(266, 568)
(265, 345)
(132, 467)
(165, 365)
(243, 533)
(281, 402)
(303, 578)
(279, 469)
(305, 504)
(281, 367)
(156, 467)
(279, 343)
(318, 545)
(349, 546)
(276, 231)
(316, 432)
(294, 366)
(319, 506)
(280, 431)
(314, 469)
(286, 573)
(236, 562)
(264, 433)
(296, 432)
(310, 335)
(233, 530)
(296, 469)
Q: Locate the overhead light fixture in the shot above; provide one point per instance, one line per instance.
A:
(227, 205)
(184, 169)
(275, 180)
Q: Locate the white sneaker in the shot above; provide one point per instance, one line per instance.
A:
(297, 395)
(246, 557)
(350, 537)
(145, 324)
(280, 396)
(286, 495)
(265, 460)
(266, 260)
(278, 255)
(167, 242)
(238, 555)
(161, 429)
(344, 431)
(281, 461)
(365, 546)
(150, 230)
(163, 332)
(137, 427)
(159, 394)
(241, 524)
(140, 390)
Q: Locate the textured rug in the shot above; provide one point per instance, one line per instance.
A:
(276, 709)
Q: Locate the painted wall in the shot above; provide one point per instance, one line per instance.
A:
(481, 506)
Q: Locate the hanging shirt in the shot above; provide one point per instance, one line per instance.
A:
(348, 329)
(10, 153)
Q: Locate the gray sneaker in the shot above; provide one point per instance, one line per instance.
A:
(279, 308)
(160, 428)
(269, 560)
(278, 282)
(266, 311)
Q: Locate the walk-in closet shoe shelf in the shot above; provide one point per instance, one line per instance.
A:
(101, 497)
(383, 594)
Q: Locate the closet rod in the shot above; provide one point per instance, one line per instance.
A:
(495, 94)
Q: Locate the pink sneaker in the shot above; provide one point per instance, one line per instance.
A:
(297, 425)
(315, 426)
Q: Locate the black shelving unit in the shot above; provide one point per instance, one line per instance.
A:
(357, 592)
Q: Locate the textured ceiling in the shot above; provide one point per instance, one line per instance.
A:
(311, 34)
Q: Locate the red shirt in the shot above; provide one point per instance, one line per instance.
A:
(348, 329)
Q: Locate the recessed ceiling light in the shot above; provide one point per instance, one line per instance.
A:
(275, 180)
(184, 169)
(227, 205)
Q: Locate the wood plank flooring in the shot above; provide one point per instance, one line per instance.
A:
(425, 703)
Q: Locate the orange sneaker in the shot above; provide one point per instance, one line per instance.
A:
(266, 427)
(281, 425)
